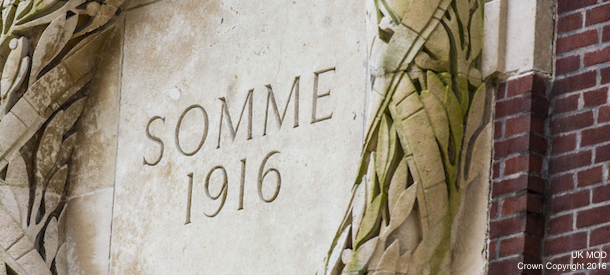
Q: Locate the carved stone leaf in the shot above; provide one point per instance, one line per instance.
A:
(455, 115)
(32, 263)
(403, 207)
(403, 263)
(361, 256)
(102, 16)
(463, 13)
(389, 260)
(51, 42)
(358, 209)
(57, 182)
(473, 123)
(415, 129)
(465, 92)
(440, 125)
(419, 13)
(398, 6)
(17, 174)
(435, 85)
(22, 195)
(7, 198)
(40, 5)
(476, 33)
(379, 250)
(383, 147)
(7, 16)
(392, 154)
(66, 150)
(480, 154)
(335, 255)
(398, 183)
(35, 225)
(51, 241)
(73, 112)
(61, 260)
(49, 145)
(23, 8)
(437, 54)
(438, 118)
(19, 49)
(24, 67)
(370, 221)
(451, 105)
(387, 13)
(371, 180)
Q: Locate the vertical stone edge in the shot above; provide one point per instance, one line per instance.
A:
(87, 223)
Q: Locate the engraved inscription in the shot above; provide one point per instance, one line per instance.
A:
(242, 183)
(271, 98)
(205, 130)
(155, 139)
(222, 194)
(269, 179)
(223, 189)
(225, 111)
(189, 199)
(317, 96)
(261, 178)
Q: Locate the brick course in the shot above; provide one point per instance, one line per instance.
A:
(578, 194)
(516, 221)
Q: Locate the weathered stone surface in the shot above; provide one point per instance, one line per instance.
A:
(10, 231)
(235, 128)
(22, 247)
(17, 127)
(88, 221)
(182, 54)
(94, 154)
(33, 263)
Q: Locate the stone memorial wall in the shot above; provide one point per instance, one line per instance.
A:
(240, 131)
(240, 137)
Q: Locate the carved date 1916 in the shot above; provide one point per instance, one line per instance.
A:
(222, 194)
(219, 171)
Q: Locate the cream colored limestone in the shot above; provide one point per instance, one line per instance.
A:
(88, 221)
(95, 148)
(518, 37)
(183, 57)
(495, 37)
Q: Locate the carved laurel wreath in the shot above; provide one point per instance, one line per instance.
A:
(48, 51)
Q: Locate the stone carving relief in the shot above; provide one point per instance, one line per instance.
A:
(48, 52)
(425, 154)
(427, 147)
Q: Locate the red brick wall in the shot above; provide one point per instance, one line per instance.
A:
(578, 209)
(516, 215)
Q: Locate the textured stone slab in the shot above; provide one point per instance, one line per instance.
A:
(200, 86)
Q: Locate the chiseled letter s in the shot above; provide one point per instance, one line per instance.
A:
(155, 139)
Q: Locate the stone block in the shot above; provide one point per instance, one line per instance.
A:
(234, 63)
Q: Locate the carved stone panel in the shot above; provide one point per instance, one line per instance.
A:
(240, 133)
